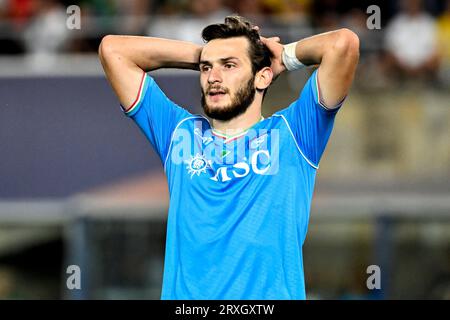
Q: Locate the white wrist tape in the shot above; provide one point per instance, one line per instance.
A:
(289, 58)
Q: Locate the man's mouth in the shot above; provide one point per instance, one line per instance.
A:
(216, 94)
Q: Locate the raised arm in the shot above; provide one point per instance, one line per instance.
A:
(336, 53)
(125, 58)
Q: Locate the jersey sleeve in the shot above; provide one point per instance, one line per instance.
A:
(156, 115)
(311, 121)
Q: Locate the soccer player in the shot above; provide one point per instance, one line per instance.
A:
(240, 185)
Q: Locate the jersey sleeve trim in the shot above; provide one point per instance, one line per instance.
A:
(145, 81)
(296, 144)
(319, 98)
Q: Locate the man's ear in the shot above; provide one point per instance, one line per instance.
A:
(263, 78)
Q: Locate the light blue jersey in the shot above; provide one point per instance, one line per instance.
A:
(239, 206)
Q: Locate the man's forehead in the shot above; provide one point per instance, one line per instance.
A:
(223, 48)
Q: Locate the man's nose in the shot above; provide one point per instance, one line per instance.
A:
(214, 75)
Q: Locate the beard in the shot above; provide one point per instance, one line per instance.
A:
(238, 105)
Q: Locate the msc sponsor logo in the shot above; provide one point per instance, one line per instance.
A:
(242, 169)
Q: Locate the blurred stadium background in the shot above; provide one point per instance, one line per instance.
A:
(80, 185)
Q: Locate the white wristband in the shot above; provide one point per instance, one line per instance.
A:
(289, 57)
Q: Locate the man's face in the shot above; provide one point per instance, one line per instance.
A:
(226, 78)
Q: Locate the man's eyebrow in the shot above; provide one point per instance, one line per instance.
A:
(223, 60)
(228, 59)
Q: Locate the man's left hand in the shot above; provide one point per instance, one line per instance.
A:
(276, 48)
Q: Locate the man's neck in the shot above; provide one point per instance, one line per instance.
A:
(240, 123)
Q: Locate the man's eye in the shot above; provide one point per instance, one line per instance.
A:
(205, 68)
(229, 65)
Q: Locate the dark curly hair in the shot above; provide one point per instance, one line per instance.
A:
(237, 26)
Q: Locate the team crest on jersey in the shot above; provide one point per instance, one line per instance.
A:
(197, 165)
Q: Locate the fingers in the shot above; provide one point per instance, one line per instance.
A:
(276, 39)
(264, 39)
